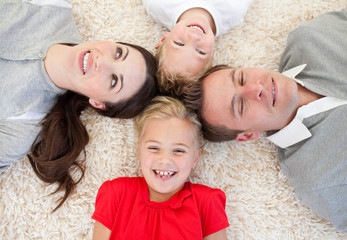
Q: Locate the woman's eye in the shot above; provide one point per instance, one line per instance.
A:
(114, 81)
(178, 43)
(119, 52)
(200, 52)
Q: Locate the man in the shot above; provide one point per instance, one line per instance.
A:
(304, 110)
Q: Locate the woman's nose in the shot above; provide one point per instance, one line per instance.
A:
(103, 64)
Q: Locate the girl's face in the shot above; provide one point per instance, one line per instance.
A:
(104, 71)
(167, 153)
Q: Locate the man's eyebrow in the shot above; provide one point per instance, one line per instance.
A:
(233, 101)
(126, 54)
(121, 83)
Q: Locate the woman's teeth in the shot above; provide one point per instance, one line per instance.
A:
(85, 61)
(164, 174)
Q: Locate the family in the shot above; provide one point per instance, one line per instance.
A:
(176, 98)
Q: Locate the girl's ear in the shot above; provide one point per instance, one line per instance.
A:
(242, 137)
(161, 41)
(196, 160)
(97, 104)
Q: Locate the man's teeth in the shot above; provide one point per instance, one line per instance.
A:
(164, 173)
(197, 27)
(85, 61)
(273, 94)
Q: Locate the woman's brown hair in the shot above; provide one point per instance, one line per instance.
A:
(63, 136)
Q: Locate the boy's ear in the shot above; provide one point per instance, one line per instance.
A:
(162, 40)
(97, 104)
(196, 160)
(242, 137)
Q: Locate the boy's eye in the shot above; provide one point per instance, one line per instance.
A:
(119, 52)
(114, 81)
(178, 43)
(200, 52)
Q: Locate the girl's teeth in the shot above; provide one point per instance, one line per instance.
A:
(164, 173)
(85, 61)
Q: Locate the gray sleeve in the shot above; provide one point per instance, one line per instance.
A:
(321, 44)
(16, 137)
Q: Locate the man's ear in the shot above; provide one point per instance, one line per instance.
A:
(161, 41)
(97, 104)
(242, 137)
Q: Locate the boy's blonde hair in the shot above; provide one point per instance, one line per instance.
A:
(173, 84)
(162, 107)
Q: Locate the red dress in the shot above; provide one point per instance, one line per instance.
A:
(123, 206)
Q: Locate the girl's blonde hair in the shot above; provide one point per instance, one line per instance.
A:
(163, 107)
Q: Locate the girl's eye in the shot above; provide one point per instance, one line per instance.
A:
(152, 148)
(119, 52)
(179, 151)
(114, 81)
(200, 52)
(179, 44)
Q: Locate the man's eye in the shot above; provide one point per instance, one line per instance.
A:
(200, 52)
(119, 52)
(178, 43)
(241, 106)
(114, 81)
(241, 80)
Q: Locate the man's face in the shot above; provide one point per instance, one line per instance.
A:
(249, 99)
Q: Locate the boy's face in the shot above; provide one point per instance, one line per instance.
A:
(189, 46)
(167, 153)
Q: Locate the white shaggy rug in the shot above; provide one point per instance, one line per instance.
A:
(260, 202)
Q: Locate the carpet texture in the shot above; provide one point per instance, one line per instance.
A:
(261, 204)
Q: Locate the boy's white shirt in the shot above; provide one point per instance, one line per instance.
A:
(226, 14)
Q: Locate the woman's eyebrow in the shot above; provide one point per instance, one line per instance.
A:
(126, 54)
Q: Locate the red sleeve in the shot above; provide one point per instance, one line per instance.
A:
(214, 217)
(106, 205)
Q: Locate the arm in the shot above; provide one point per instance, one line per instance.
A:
(220, 235)
(101, 232)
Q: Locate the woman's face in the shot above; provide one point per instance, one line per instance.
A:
(105, 71)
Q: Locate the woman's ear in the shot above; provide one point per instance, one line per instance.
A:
(242, 137)
(161, 41)
(97, 104)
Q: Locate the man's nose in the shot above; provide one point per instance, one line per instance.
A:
(253, 91)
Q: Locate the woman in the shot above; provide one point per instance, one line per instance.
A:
(45, 65)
